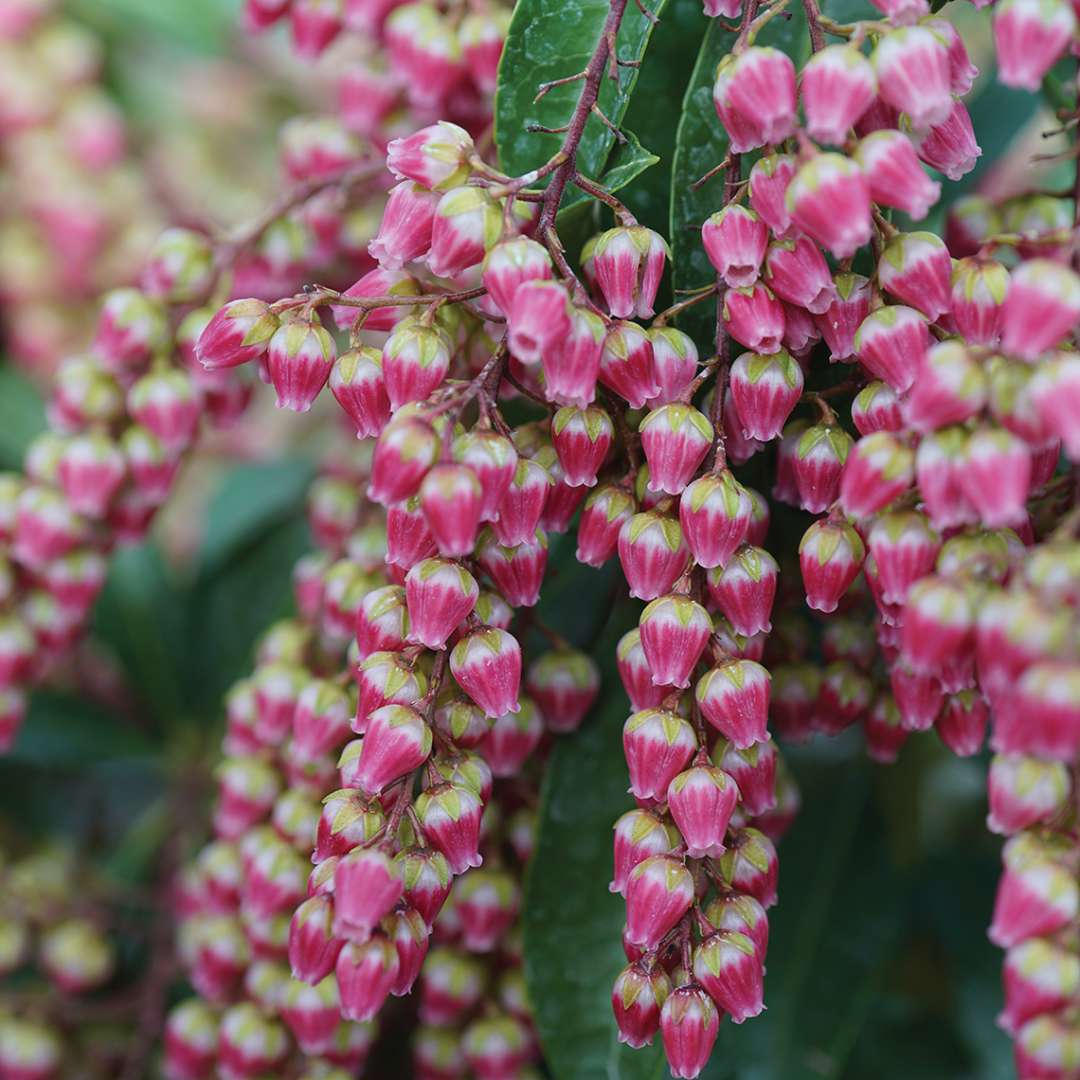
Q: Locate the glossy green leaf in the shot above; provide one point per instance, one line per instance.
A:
(22, 415)
(572, 924)
(553, 39)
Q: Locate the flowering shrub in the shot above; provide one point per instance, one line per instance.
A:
(753, 458)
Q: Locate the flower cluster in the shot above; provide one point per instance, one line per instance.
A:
(381, 735)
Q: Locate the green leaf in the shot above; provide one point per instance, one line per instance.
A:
(22, 415)
(252, 500)
(204, 25)
(62, 730)
(627, 162)
(553, 39)
(572, 924)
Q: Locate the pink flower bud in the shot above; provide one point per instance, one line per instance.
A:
(179, 268)
(426, 879)
(714, 512)
(1037, 894)
(382, 621)
(1025, 791)
(657, 745)
(487, 665)
(366, 888)
(250, 1043)
(191, 1040)
(978, 296)
(997, 478)
(1039, 977)
(315, 24)
(879, 469)
(626, 364)
(1041, 307)
(950, 146)
(830, 557)
(829, 199)
(582, 439)
(735, 239)
(754, 770)
(450, 815)
(406, 449)
(425, 54)
(841, 320)
(744, 589)
(639, 834)
(675, 438)
(1030, 38)
(365, 975)
(754, 95)
(674, 632)
(628, 262)
(565, 684)
(838, 86)
(357, 383)
(891, 343)
(450, 497)
(493, 459)
(637, 997)
(1042, 714)
(512, 738)
(769, 180)
(347, 819)
(482, 36)
(742, 915)
(635, 675)
(91, 470)
(876, 408)
(605, 512)
(918, 697)
(843, 698)
(312, 1014)
(939, 466)
(451, 984)
(415, 360)
(659, 891)
(765, 389)
(728, 966)
(167, 405)
(653, 554)
(749, 865)
(320, 722)
(488, 902)
(734, 698)
(916, 268)
(689, 1024)
(299, 357)
(938, 623)
(437, 157)
(701, 801)
(468, 223)
(405, 229)
(818, 462)
(754, 318)
(131, 329)
(797, 272)
(508, 266)
(518, 571)
(962, 724)
(905, 549)
(440, 594)
(572, 365)
(523, 504)
(396, 742)
(539, 319)
(895, 175)
(912, 66)
(377, 282)
(885, 734)
(408, 538)
(313, 949)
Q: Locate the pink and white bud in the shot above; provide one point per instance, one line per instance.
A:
(689, 1023)
(749, 865)
(754, 770)
(450, 815)
(522, 506)
(605, 512)
(729, 968)
(891, 343)
(905, 549)
(564, 683)
(539, 319)
(950, 145)
(487, 665)
(440, 595)
(572, 366)
(701, 800)
(626, 364)
(829, 199)
(675, 437)
(582, 439)
(517, 571)
(405, 450)
(1025, 791)
(939, 467)
(299, 358)
(876, 408)
(450, 497)
(734, 698)
(997, 478)
(754, 317)
(1042, 306)
(735, 240)
(831, 554)
(166, 404)
(950, 387)
(367, 885)
(912, 66)
(315, 24)
(426, 878)
(841, 320)
(377, 282)
(366, 973)
(659, 892)
(635, 675)
(1039, 976)
(744, 589)
(714, 512)
(397, 741)
(1037, 894)
(313, 948)
(359, 386)
(769, 180)
(468, 223)
(415, 361)
(639, 834)
(962, 723)
(91, 469)
(938, 625)
(896, 177)
(628, 262)
(653, 554)
(436, 157)
(797, 272)
(1042, 714)
(979, 287)
(382, 621)
(512, 738)
(818, 463)
(917, 270)
(131, 329)
(487, 902)
(675, 364)
(320, 722)
(637, 997)
(408, 538)
(509, 265)
(1030, 37)
(838, 85)
(765, 389)
(754, 96)
(674, 632)
(657, 744)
